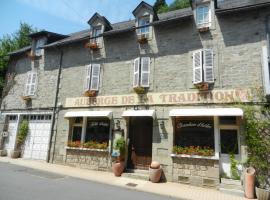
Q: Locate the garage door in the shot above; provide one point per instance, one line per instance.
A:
(9, 142)
(37, 140)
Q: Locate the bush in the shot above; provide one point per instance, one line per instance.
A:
(23, 131)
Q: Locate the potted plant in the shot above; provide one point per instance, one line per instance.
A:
(263, 187)
(119, 154)
(90, 93)
(92, 45)
(203, 29)
(202, 86)
(155, 172)
(21, 136)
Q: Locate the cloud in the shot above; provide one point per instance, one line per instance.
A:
(80, 11)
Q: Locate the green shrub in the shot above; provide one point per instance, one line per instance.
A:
(23, 131)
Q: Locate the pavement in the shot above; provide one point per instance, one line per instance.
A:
(168, 189)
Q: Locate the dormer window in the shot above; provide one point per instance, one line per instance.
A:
(38, 47)
(203, 16)
(143, 23)
(96, 33)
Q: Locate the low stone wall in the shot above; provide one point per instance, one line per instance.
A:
(196, 171)
(88, 159)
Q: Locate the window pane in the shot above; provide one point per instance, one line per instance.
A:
(195, 132)
(77, 133)
(229, 141)
(97, 130)
(228, 120)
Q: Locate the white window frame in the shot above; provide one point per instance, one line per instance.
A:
(139, 72)
(143, 29)
(96, 36)
(29, 83)
(204, 22)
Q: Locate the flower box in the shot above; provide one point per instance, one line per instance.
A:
(202, 86)
(32, 56)
(203, 29)
(26, 98)
(194, 151)
(91, 45)
(142, 39)
(139, 90)
(90, 93)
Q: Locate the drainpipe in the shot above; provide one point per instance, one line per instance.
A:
(55, 106)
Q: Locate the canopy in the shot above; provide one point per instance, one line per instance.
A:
(206, 112)
(88, 114)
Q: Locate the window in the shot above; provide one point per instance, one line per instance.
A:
(77, 129)
(96, 34)
(31, 82)
(229, 141)
(143, 22)
(39, 45)
(92, 77)
(141, 72)
(97, 130)
(194, 132)
(203, 66)
(203, 17)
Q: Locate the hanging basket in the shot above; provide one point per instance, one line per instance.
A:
(91, 45)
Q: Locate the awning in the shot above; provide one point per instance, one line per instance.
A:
(138, 113)
(107, 114)
(206, 112)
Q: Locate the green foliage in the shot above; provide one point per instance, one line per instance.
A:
(23, 131)
(257, 136)
(161, 6)
(120, 145)
(234, 171)
(9, 43)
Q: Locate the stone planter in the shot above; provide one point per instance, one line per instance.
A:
(155, 172)
(15, 153)
(3, 152)
(118, 168)
(262, 194)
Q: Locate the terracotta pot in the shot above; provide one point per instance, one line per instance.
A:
(15, 153)
(118, 168)
(249, 183)
(262, 194)
(155, 174)
(3, 152)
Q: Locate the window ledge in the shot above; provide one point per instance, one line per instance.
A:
(87, 149)
(194, 156)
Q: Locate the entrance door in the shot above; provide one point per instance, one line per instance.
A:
(9, 143)
(37, 141)
(229, 143)
(140, 142)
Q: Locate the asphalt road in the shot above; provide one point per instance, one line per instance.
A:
(20, 183)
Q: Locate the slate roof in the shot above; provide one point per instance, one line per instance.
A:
(19, 51)
(238, 5)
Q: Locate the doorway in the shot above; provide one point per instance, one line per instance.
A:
(140, 143)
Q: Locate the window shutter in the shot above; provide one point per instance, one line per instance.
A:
(87, 78)
(27, 85)
(33, 83)
(208, 65)
(95, 77)
(197, 67)
(136, 72)
(145, 71)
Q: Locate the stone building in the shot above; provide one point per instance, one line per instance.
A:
(168, 83)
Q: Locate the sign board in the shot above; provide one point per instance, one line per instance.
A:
(170, 98)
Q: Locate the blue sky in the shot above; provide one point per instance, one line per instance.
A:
(62, 16)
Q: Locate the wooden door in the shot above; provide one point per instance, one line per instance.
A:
(140, 142)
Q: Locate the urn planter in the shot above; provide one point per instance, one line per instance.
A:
(262, 194)
(155, 172)
(118, 168)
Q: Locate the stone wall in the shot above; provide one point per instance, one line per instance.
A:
(196, 171)
(88, 159)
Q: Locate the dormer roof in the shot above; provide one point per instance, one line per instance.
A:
(146, 6)
(103, 20)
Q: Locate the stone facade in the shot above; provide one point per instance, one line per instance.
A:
(236, 40)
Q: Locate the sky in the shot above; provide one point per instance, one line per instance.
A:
(62, 16)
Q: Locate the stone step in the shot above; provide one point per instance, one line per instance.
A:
(234, 192)
(137, 175)
(230, 181)
(232, 187)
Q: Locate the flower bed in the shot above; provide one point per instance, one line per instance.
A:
(192, 150)
(90, 144)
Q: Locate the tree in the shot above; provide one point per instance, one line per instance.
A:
(160, 5)
(12, 42)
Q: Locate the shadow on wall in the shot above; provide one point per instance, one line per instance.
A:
(242, 28)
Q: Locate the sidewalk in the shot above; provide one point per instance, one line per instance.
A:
(174, 190)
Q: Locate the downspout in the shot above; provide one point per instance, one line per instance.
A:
(55, 106)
